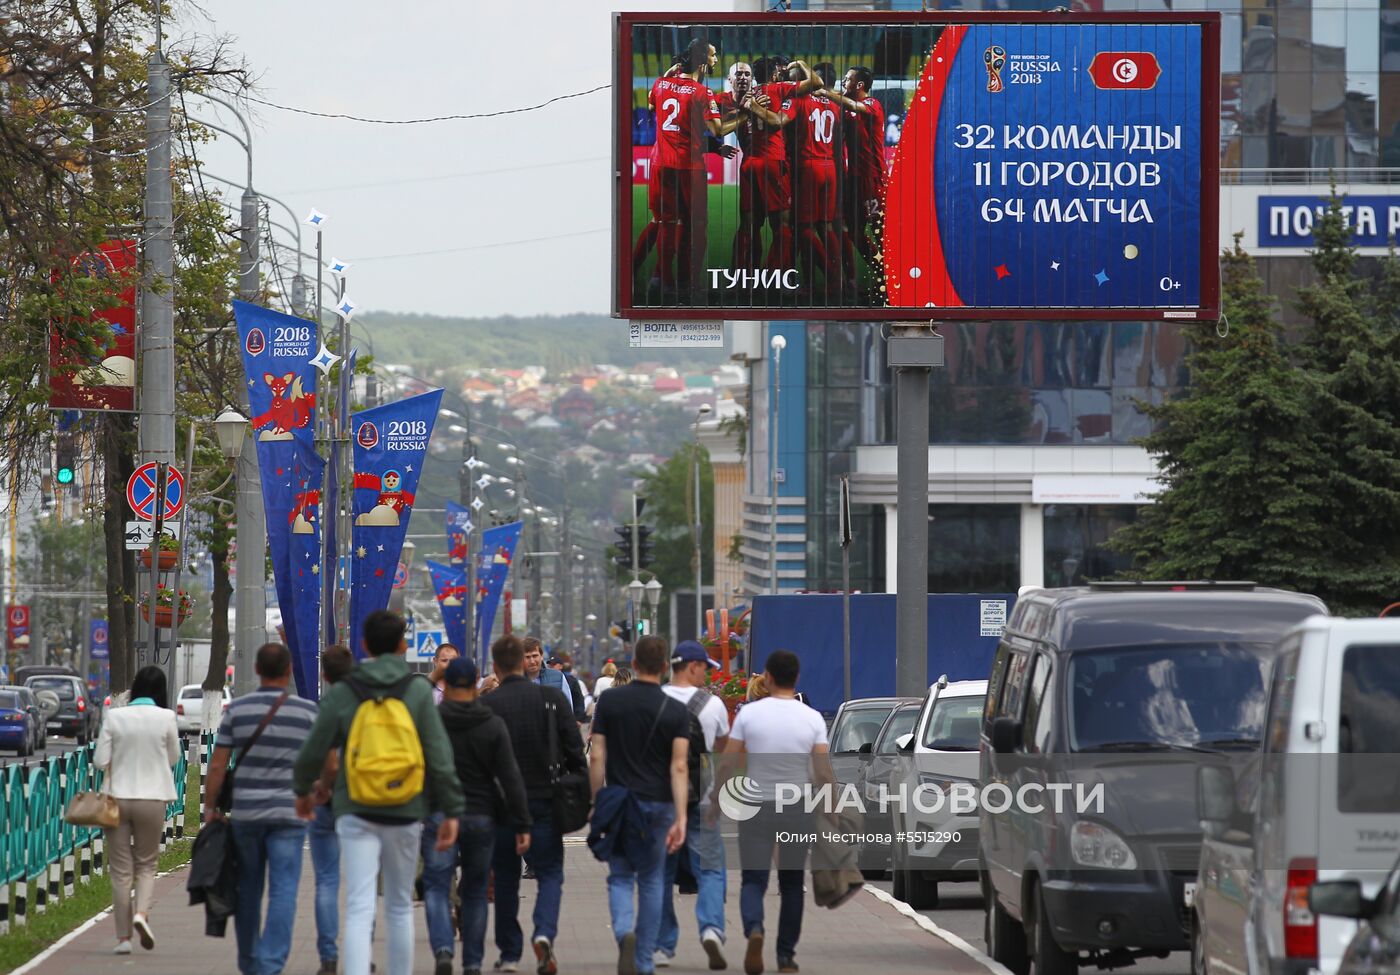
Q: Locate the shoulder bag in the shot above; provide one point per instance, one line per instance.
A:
(225, 800)
(572, 796)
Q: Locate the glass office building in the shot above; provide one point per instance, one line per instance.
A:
(1032, 455)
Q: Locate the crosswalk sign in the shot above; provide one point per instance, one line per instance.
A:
(426, 643)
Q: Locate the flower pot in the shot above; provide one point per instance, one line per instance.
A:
(165, 560)
(731, 704)
(165, 616)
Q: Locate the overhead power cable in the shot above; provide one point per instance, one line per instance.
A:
(424, 121)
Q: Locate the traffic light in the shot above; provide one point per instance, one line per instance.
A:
(644, 553)
(623, 558)
(66, 462)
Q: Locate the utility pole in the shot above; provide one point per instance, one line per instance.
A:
(912, 351)
(250, 582)
(157, 432)
(566, 569)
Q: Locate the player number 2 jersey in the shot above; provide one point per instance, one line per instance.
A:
(682, 105)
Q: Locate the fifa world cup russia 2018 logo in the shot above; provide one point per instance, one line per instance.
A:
(995, 58)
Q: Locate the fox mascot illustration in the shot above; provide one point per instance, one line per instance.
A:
(290, 408)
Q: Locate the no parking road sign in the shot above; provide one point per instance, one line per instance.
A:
(141, 491)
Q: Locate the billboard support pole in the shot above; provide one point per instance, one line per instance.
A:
(912, 351)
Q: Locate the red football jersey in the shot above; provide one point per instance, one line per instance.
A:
(758, 139)
(815, 115)
(866, 150)
(682, 105)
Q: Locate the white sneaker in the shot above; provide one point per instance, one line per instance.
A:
(123, 947)
(143, 931)
(661, 959)
(713, 943)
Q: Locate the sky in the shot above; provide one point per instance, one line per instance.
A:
(431, 216)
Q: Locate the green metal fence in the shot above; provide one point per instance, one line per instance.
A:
(41, 855)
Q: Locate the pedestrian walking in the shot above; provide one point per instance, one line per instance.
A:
(396, 767)
(494, 794)
(265, 728)
(622, 678)
(704, 846)
(606, 679)
(336, 662)
(784, 742)
(639, 746)
(532, 714)
(137, 747)
(439, 866)
(538, 673)
(560, 662)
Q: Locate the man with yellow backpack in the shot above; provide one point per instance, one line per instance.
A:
(396, 767)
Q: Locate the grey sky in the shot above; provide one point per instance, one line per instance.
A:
(393, 190)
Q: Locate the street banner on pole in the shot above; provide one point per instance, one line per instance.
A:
(277, 351)
(305, 567)
(98, 647)
(390, 444)
(450, 587)
(459, 527)
(497, 553)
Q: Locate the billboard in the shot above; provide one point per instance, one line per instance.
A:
(948, 165)
(105, 379)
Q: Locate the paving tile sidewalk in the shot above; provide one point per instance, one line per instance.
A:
(864, 935)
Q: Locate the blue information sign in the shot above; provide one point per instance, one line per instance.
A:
(1287, 221)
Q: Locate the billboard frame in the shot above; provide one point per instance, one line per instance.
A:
(622, 285)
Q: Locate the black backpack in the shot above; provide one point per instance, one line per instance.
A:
(698, 756)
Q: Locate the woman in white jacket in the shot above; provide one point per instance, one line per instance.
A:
(138, 748)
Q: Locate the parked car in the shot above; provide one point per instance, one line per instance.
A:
(78, 714)
(19, 720)
(1375, 947)
(22, 674)
(41, 719)
(878, 761)
(857, 723)
(1118, 691)
(189, 707)
(1321, 803)
(940, 844)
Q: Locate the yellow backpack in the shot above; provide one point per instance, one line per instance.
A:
(383, 755)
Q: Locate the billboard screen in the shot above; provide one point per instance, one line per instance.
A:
(106, 380)
(882, 166)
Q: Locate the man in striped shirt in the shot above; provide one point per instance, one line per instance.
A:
(266, 831)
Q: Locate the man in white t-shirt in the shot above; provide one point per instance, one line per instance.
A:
(783, 742)
(703, 843)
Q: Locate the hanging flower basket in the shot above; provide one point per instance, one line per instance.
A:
(732, 689)
(166, 605)
(166, 558)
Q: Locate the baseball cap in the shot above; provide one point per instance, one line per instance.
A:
(461, 672)
(688, 650)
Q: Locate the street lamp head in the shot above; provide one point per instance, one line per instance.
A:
(636, 589)
(653, 591)
(230, 427)
(778, 343)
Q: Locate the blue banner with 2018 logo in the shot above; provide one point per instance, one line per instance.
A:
(277, 350)
(390, 444)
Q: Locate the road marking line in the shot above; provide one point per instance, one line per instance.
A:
(996, 967)
(58, 945)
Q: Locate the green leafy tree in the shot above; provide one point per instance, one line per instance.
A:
(670, 494)
(1244, 471)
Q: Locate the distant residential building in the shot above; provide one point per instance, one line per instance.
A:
(576, 407)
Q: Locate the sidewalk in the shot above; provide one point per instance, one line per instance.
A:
(865, 934)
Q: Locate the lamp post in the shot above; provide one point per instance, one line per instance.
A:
(704, 410)
(635, 590)
(777, 343)
(653, 597)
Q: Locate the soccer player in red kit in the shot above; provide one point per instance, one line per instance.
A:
(685, 110)
(816, 117)
(864, 188)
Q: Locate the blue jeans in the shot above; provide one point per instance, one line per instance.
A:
(476, 839)
(646, 871)
(269, 854)
(371, 851)
(756, 842)
(546, 856)
(705, 847)
(437, 887)
(325, 861)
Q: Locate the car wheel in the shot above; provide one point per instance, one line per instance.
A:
(1046, 954)
(1006, 939)
(898, 875)
(923, 892)
(1199, 965)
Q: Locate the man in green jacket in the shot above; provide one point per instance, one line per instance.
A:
(381, 837)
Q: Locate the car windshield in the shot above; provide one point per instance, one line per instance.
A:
(1156, 698)
(901, 724)
(955, 724)
(61, 686)
(9, 699)
(858, 726)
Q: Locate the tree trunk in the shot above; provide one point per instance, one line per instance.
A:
(219, 637)
(121, 566)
